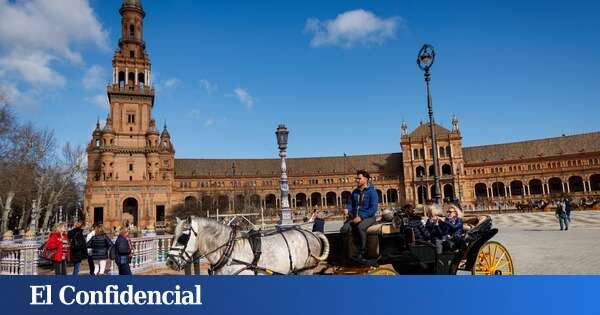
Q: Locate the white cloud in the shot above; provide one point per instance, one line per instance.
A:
(208, 87)
(352, 28)
(172, 82)
(244, 97)
(195, 113)
(33, 66)
(18, 98)
(100, 100)
(209, 122)
(94, 78)
(35, 35)
(50, 26)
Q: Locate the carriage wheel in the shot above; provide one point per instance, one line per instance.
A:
(493, 259)
(381, 271)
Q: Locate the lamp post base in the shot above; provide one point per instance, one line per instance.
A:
(286, 217)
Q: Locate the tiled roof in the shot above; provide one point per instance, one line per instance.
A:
(390, 163)
(423, 131)
(565, 145)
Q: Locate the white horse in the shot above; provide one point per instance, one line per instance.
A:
(229, 252)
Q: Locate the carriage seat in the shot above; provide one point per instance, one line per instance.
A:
(380, 228)
(472, 222)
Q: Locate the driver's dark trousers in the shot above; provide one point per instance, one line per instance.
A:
(361, 230)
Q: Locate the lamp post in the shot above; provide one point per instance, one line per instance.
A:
(34, 216)
(421, 175)
(425, 60)
(282, 141)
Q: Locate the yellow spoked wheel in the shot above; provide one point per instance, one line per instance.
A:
(493, 259)
(382, 272)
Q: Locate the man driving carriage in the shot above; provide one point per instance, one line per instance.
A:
(360, 211)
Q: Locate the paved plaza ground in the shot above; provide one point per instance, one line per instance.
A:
(534, 241)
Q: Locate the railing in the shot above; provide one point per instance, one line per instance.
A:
(22, 257)
(18, 259)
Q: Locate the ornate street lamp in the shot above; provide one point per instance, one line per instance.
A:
(282, 141)
(425, 60)
(34, 216)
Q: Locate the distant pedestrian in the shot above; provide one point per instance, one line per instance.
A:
(561, 215)
(58, 241)
(568, 209)
(78, 247)
(89, 250)
(100, 245)
(123, 251)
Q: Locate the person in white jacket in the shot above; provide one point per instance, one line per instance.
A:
(89, 250)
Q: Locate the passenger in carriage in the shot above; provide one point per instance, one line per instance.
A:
(454, 222)
(415, 222)
(435, 223)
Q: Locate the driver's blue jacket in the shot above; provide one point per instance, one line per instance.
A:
(363, 203)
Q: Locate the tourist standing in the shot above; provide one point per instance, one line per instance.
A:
(58, 240)
(89, 250)
(568, 208)
(100, 244)
(78, 247)
(123, 251)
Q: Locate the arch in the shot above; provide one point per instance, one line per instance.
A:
(448, 192)
(379, 196)
(446, 169)
(223, 203)
(516, 188)
(595, 182)
(442, 152)
(330, 199)
(392, 195)
(208, 203)
(130, 211)
(301, 200)
(121, 78)
(190, 202)
(498, 189)
(481, 190)
(420, 171)
(431, 170)
(421, 194)
(131, 31)
(576, 184)
(130, 78)
(535, 187)
(270, 201)
(555, 185)
(416, 154)
(141, 78)
(346, 195)
(255, 201)
(239, 203)
(315, 199)
(448, 151)
(432, 191)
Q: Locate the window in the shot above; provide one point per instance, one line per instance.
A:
(131, 31)
(132, 54)
(131, 118)
(131, 167)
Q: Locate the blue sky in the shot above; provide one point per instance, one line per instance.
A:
(341, 74)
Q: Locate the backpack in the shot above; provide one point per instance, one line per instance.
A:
(112, 252)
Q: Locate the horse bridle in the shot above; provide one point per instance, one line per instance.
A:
(187, 258)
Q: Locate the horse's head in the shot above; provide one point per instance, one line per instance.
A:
(184, 244)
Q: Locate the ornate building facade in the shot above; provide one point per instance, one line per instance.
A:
(133, 175)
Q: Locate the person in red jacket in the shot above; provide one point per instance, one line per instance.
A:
(59, 241)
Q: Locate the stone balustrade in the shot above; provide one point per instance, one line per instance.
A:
(21, 257)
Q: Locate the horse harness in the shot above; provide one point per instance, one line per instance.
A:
(255, 240)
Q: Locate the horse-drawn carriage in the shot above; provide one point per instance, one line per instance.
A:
(296, 250)
(392, 248)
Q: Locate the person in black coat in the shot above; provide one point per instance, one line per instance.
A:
(100, 244)
(124, 252)
(415, 222)
(78, 247)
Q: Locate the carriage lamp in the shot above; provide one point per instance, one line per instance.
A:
(425, 60)
(282, 141)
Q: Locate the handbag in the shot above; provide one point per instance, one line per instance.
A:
(48, 253)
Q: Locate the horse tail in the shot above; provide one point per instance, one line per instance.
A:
(325, 246)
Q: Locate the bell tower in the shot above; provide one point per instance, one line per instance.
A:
(130, 164)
